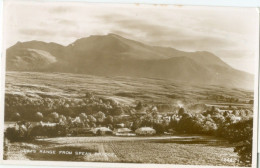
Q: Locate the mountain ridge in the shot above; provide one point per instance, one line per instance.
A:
(115, 55)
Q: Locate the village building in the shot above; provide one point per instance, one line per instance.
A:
(102, 131)
(121, 125)
(47, 124)
(145, 131)
(123, 132)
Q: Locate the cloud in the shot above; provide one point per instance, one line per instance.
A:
(233, 45)
(236, 53)
(36, 32)
(60, 9)
(66, 22)
(231, 36)
(169, 35)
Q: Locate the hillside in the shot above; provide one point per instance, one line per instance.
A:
(113, 55)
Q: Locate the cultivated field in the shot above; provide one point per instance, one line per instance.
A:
(185, 149)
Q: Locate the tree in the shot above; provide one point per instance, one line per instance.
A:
(53, 117)
(174, 123)
(99, 132)
(230, 119)
(213, 111)
(136, 124)
(209, 127)
(147, 120)
(38, 116)
(219, 119)
(62, 119)
(89, 95)
(100, 116)
(241, 133)
(185, 123)
(139, 106)
(160, 128)
(117, 111)
(110, 126)
(77, 122)
(92, 119)
(69, 121)
(213, 108)
(83, 117)
(22, 133)
(154, 109)
(12, 134)
(16, 117)
(181, 111)
(109, 120)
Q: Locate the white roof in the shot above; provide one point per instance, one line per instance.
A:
(123, 130)
(146, 129)
(102, 129)
(47, 124)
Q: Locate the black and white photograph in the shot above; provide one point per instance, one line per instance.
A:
(130, 83)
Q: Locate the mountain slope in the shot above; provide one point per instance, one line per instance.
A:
(113, 55)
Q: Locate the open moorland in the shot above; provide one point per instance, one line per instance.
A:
(125, 90)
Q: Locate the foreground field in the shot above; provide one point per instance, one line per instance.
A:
(186, 150)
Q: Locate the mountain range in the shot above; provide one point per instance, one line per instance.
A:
(114, 55)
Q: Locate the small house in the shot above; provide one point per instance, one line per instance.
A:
(123, 132)
(102, 131)
(120, 125)
(48, 124)
(145, 131)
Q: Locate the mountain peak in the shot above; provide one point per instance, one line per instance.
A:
(97, 37)
(112, 54)
(113, 34)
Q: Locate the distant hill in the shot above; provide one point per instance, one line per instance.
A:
(113, 55)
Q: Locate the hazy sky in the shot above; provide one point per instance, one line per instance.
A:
(230, 33)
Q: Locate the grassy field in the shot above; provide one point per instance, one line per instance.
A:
(197, 150)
